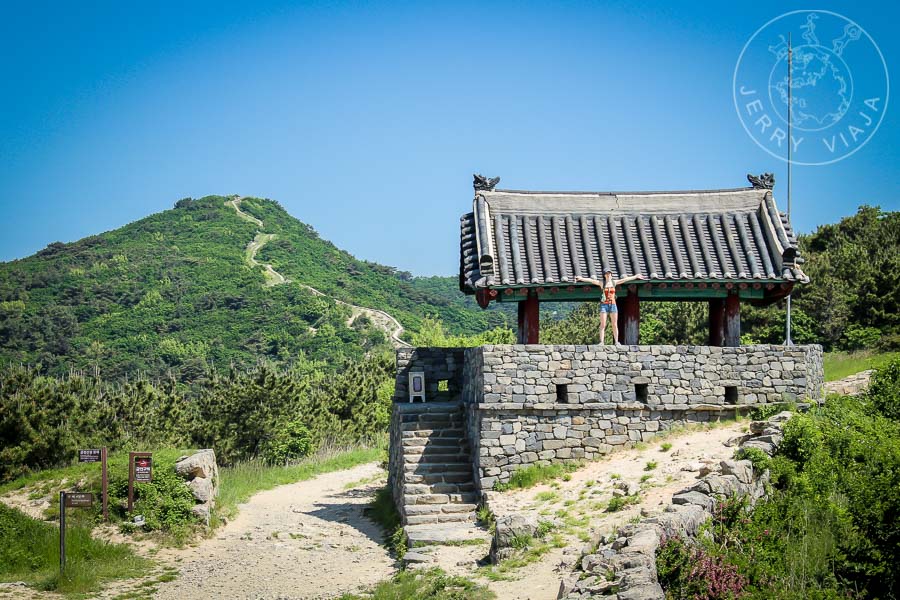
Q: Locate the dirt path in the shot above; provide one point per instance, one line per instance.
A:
(381, 319)
(304, 540)
(583, 500)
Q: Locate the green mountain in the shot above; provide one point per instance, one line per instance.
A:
(212, 282)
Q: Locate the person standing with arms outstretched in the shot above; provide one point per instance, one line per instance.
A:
(608, 306)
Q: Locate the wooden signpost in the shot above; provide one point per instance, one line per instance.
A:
(140, 470)
(69, 500)
(99, 455)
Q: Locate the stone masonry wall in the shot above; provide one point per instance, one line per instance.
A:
(438, 364)
(543, 404)
(528, 404)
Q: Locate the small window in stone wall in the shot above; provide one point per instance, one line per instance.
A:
(731, 394)
(562, 393)
(640, 392)
(443, 385)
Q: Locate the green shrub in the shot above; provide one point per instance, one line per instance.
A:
(829, 526)
(760, 460)
(165, 503)
(291, 442)
(884, 390)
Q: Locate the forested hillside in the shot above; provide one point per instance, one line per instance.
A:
(176, 293)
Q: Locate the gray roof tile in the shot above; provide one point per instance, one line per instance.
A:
(515, 238)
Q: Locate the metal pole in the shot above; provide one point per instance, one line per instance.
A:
(787, 320)
(62, 533)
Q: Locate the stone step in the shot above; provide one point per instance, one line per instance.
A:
(430, 478)
(433, 441)
(442, 467)
(431, 458)
(464, 517)
(433, 426)
(438, 488)
(441, 499)
(444, 432)
(434, 509)
(454, 448)
(443, 533)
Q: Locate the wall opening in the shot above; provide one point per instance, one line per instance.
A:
(443, 385)
(640, 392)
(731, 394)
(562, 393)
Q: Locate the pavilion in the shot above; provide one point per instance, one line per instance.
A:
(716, 246)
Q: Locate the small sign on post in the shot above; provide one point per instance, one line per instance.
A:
(140, 470)
(69, 500)
(91, 455)
(79, 500)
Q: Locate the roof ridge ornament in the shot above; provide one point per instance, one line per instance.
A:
(484, 184)
(764, 181)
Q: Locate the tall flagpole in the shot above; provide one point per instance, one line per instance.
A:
(787, 321)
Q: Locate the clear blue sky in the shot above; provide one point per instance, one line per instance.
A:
(367, 120)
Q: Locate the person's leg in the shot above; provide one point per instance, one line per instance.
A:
(602, 327)
(614, 317)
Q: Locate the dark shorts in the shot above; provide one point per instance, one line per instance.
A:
(608, 308)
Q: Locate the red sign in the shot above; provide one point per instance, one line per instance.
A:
(143, 469)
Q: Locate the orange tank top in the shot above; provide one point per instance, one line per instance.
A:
(609, 295)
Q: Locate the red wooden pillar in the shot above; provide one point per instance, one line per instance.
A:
(716, 321)
(732, 320)
(629, 318)
(529, 319)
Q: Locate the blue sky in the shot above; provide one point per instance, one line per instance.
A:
(367, 120)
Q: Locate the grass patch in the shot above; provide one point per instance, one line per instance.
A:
(29, 552)
(419, 584)
(547, 496)
(383, 511)
(665, 446)
(533, 475)
(651, 464)
(842, 364)
(486, 518)
(243, 480)
(617, 503)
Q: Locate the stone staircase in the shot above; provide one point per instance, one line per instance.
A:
(434, 474)
(438, 497)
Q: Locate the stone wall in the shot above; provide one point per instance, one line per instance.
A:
(532, 404)
(439, 364)
(543, 404)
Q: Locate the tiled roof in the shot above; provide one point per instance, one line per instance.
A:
(521, 239)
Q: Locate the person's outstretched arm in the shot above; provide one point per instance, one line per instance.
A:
(596, 282)
(619, 282)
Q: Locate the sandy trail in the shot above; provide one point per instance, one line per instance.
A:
(303, 540)
(592, 487)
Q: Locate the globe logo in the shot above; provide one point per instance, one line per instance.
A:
(817, 75)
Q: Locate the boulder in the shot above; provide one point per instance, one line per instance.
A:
(200, 464)
(202, 488)
(507, 529)
(742, 469)
(201, 474)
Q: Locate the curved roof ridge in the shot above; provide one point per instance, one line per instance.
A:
(617, 193)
